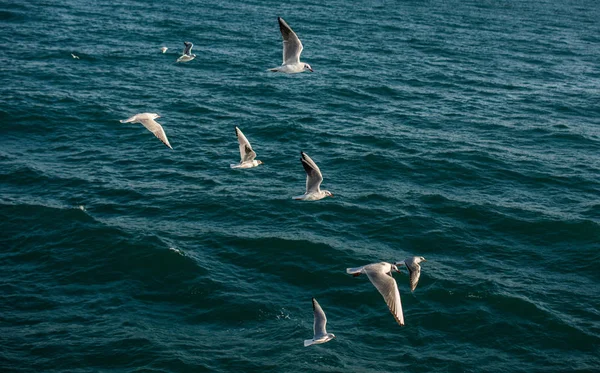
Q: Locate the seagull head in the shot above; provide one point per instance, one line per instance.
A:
(259, 161)
(420, 259)
(328, 193)
(307, 67)
(395, 268)
(154, 115)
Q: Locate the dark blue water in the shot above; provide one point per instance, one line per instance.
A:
(467, 132)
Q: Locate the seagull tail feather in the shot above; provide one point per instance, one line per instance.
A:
(354, 271)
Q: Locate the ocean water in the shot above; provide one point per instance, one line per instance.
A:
(467, 132)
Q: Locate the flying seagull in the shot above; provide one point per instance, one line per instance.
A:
(164, 49)
(147, 119)
(74, 56)
(187, 53)
(319, 331)
(246, 153)
(380, 275)
(292, 47)
(313, 181)
(414, 269)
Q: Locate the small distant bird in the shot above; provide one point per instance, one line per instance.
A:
(164, 49)
(380, 275)
(292, 47)
(147, 119)
(246, 153)
(187, 53)
(74, 56)
(319, 332)
(412, 264)
(313, 181)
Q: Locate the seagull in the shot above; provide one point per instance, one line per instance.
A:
(320, 334)
(74, 56)
(414, 269)
(187, 56)
(246, 153)
(164, 49)
(292, 47)
(313, 181)
(147, 119)
(380, 275)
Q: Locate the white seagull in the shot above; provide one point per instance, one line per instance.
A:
(313, 181)
(414, 269)
(292, 47)
(246, 153)
(320, 334)
(380, 275)
(147, 119)
(74, 56)
(187, 53)
(164, 49)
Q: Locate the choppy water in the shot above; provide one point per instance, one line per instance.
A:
(467, 132)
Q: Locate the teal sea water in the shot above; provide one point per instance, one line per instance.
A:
(467, 132)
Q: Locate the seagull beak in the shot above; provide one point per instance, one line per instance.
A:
(311, 70)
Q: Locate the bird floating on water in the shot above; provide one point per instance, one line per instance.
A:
(380, 275)
(147, 119)
(292, 47)
(247, 155)
(319, 331)
(313, 181)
